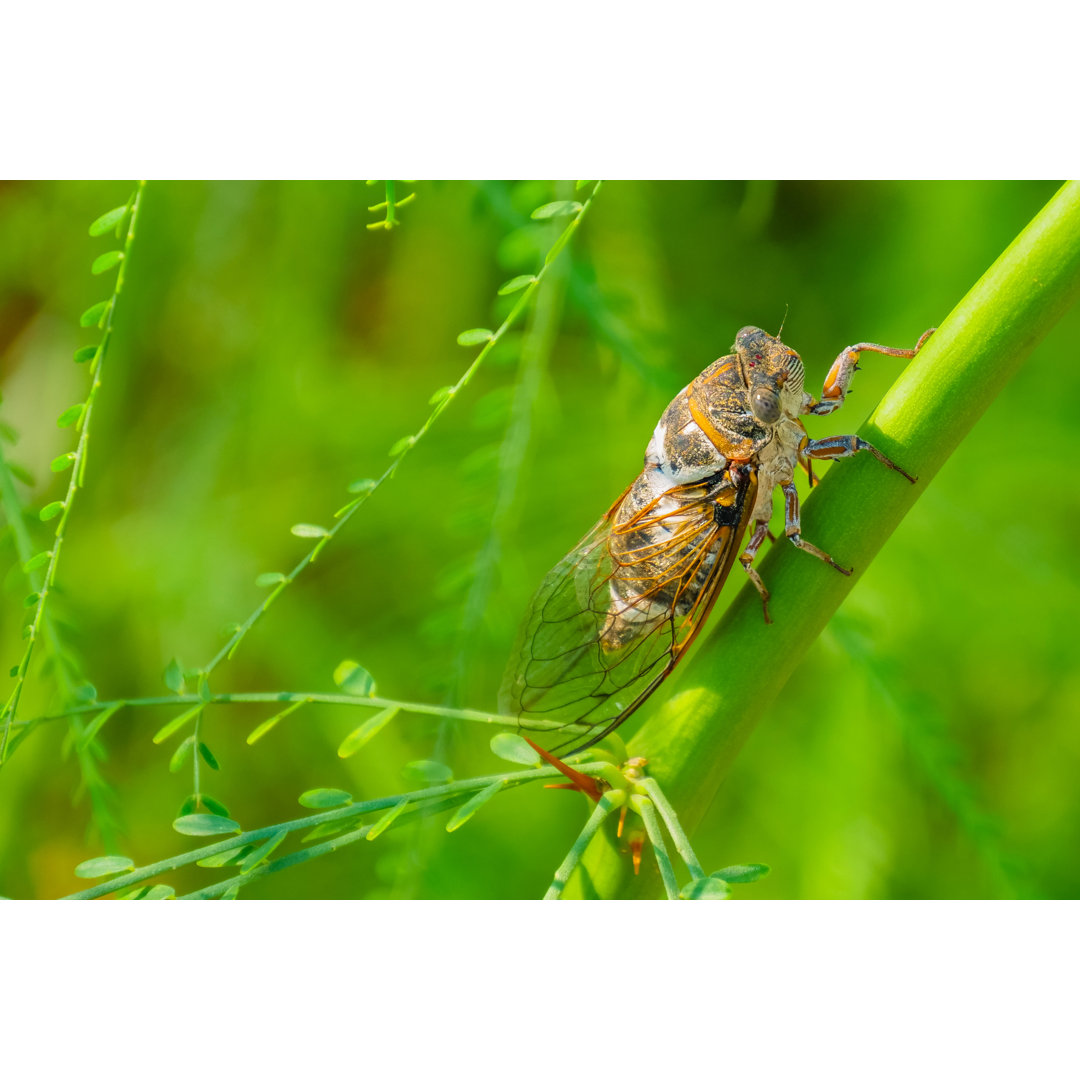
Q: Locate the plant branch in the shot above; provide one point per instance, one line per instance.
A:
(737, 671)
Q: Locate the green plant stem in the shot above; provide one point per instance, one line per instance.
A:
(736, 672)
(78, 476)
(648, 813)
(458, 790)
(281, 697)
(610, 801)
(345, 513)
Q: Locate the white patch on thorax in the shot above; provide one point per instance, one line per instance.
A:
(776, 464)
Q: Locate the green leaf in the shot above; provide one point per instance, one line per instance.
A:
(20, 473)
(271, 577)
(511, 747)
(578, 185)
(325, 798)
(205, 825)
(522, 281)
(709, 888)
(465, 812)
(354, 679)
(741, 875)
(225, 858)
(106, 262)
(214, 805)
(555, 209)
(362, 735)
(108, 220)
(99, 721)
(87, 352)
(63, 462)
(441, 395)
(327, 828)
(103, 866)
(40, 559)
(204, 688)
(190, 805)
(309, 532)
(159, 892)
(93, 316)
(403, 444)
(31, 600)
(51, 510)
(476, 336)
(428, 772)
(176, 762)
(207, 756)
(387, 820)
(177, 722)
(362, 487)
(262, 851)
(85, 693)
(174, 676)
(70, 415)
(272, 722)
(231, 893)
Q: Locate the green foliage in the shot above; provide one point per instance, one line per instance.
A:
(333, 341)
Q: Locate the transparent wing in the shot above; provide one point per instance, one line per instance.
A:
(612, 618)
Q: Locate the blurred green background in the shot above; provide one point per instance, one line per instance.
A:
(270, 348)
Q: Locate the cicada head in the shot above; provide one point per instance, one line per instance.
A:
(773, 374)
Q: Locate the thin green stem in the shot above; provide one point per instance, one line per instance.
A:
(405, 446)
(464, 788)
(739, 668)
(284, 697)
(647, 810)
(610, 801)
(671, 820)
(78, 474)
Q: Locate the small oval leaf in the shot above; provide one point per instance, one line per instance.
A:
(176, 723)
(108, 220)
(262, 851)
(387, 820)
(50, 510)
(522, 281)
(40, 559)
(362, 735)
(272, 577)
(428, 772)
(476, 336)
(180, 754)
(94, 315)
(362, 487)
(742, 874)
(465, 812)
(207, 756)
(62, 463)
(87, 352)
(560, 208)
(709, 888)
(103, 866)
(512, 747)
(106, 262)
(174, 676)
(441, 395)
(70, 416)
(354, 679)
(309, 532)
(205, 825)
(325, 798)
(406, 442)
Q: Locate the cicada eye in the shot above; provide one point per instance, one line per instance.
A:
(765, 404)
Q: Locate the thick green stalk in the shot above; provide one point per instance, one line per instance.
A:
(736, 672)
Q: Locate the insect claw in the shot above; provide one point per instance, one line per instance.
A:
(622, 819)
(636, 843)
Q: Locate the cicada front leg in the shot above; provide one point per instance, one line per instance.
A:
(841, 446)
(846, 364)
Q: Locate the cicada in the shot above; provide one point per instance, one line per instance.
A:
(613, 618)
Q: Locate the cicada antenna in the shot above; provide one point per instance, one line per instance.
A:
(787, 308)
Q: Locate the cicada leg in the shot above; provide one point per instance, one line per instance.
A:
(846, 364)
(793, 528)
(841, 446)
(747, 557)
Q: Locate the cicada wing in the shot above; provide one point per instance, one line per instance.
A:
(611, 619)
